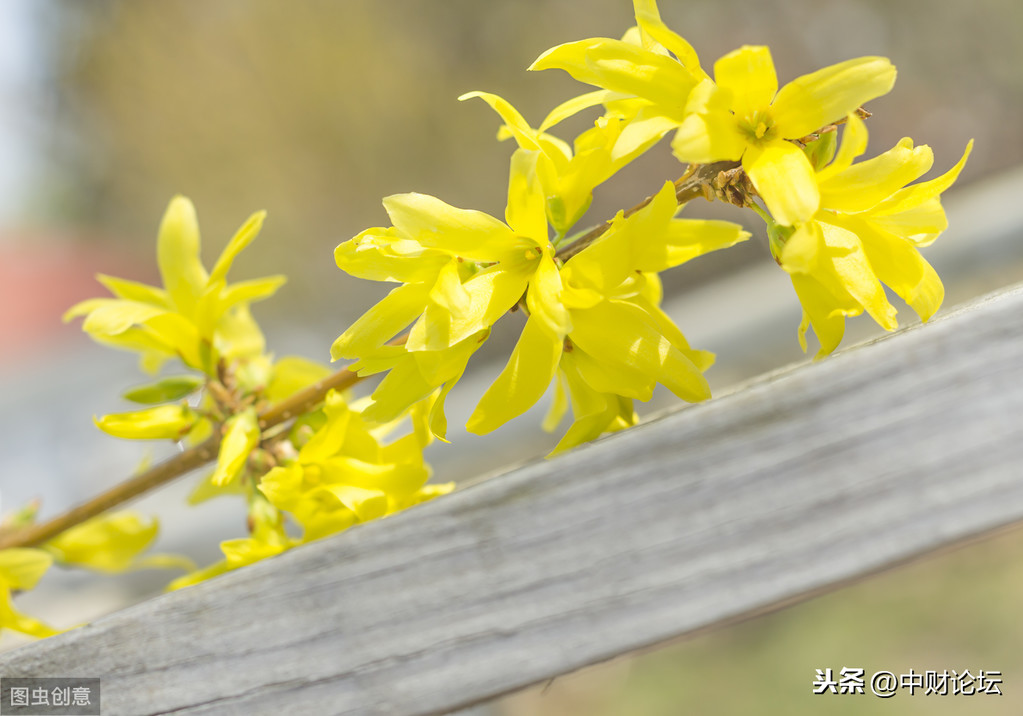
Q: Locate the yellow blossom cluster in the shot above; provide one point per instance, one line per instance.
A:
(842, 229)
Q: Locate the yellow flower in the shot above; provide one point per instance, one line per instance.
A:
(647, 76)
(21, 569)
(197, 316)
(476, 269)
(113, 543)
(617, 342)
(866, 233)
(267, 539)
(344, 474)
(744, 115)
(568, 176)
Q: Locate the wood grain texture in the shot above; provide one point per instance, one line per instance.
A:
(796, 483)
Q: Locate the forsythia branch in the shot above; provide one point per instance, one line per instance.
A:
(698, 181)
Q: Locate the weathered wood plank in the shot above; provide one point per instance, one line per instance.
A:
(798, 482)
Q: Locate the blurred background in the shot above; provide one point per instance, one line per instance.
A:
(316, 110)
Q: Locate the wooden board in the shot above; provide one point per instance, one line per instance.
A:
(793, 485)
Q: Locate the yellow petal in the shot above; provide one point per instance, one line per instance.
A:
(135, 291)
(641, 133)
(251, 291)
(177, 251)
(921, 224)
(389, 478)
(388, 255)
(918, 194)
(820, 311)
(571, 107)
(648, 18)
(159, 423)
(785, 179)
(241, 436)
(748, 73)
(526, 210)
(109, 543)
(111, 316)
(622, 67)
(525, 135)
(10, 618)
(22, 568)
(709, 132)
(491, 293)
(522, 382)
(899, 265)
(544, 297)
(367, 504)
(382, 322)
(460, 232)
(815, 100)
(868, 183)
(853, 272)
(241, 239)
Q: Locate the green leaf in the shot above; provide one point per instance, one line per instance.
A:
(170, 388)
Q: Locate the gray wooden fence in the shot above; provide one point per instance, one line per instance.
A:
(791, 486)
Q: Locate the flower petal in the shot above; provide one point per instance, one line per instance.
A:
(917, 194)
(470, 234)
(525, 135)
(785, 179)
(815, 100)
(648, 18)
(241, 239)
(526, 213)
(710, 136)
(177, 252)
(870, 182)
(748, 73)
(623, 67)
(523, 381)
(382, 322)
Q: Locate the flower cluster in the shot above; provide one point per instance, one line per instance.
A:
(205, 322)
(594, 326)
(310, 460)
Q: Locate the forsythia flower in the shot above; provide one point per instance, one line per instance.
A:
(638, 73)
(112, 543)
(568, 177)
(344, 475)
(485, 267)
(21, 569)
(616, 342)
(866, 232)
(197, 316)
(744, 115)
